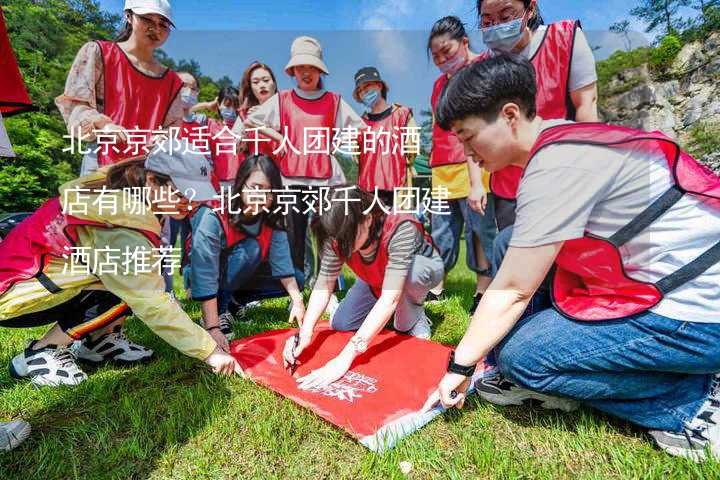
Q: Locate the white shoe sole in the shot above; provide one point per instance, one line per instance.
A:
(518, 398)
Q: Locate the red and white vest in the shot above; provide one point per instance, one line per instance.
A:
(133, 100)
(552, 63)
(382, 164)
(590, 281)
(373, 273)
(48, 232)
(446, 148)
(303, 121)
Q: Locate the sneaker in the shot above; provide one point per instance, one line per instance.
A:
(476, 302)
(114, 346)
(13, 434)
(499, 390)
(421, 328)
(48, 366)
(700, 437)
(225, 322)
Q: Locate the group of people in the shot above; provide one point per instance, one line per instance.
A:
(595, 247)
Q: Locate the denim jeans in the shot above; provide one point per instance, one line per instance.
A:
(447, 230)
(648, 369)
(425, 274)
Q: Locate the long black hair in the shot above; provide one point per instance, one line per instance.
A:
(533, 22)
(251, 164)
(126, 30)
(341, 220)
(450, 25)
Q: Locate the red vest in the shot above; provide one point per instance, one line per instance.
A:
(373, 273)
(590, 281)
(446, 148)
(298, 114)
(386, 166)
(234, 235)
(552, 63)
(223, 150)
(48, 232)
(133, 100)
(257, 144)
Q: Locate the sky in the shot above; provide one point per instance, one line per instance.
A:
(224, 36)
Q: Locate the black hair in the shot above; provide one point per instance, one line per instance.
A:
(450, 25)
(126, 30)
(533, 22)
(229, 93)
(251, 164)
(484, 87)
(341, 220)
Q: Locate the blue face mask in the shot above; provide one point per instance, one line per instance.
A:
(504, 37)
(228, 114)
(370, 98)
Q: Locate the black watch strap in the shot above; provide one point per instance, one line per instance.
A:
(459, 369)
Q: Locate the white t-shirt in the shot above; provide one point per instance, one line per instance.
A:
(582, 65)
(567, 190)
(5, 146)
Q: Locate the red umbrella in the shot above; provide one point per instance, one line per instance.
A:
(13, 95)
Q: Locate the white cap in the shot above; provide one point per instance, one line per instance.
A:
(143, 7)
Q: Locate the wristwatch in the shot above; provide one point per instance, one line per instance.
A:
(459, 369)
(359, 344)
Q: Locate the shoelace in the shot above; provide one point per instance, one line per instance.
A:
(65, 357)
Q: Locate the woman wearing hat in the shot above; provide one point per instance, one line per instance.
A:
(287, 115)
(107, 78)
(68, 265)
(385, 155)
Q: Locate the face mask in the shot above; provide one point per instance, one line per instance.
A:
(228, 114)
(370, 99)
(188, 98)
(453, 65)
(504, 37)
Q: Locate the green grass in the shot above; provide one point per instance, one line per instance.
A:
(171, 418)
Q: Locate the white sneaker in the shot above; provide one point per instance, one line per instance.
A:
(49, 366)
(499, 390)
(225, 322)
(422, 328)
(113, 346)
(13, 434)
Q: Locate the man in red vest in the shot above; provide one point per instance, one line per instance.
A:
(630, 223)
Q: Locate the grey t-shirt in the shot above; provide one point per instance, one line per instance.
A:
(567, 190)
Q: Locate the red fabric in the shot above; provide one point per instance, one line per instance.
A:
(552, 66)
(373, 273)
(590, 281)
(13, 95)
(47, 232)
(386, 166)
(298, 114)
(223, 150)
(446, 148)
(133, 100)
(402, 371)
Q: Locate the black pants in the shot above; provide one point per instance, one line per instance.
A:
(81, 315)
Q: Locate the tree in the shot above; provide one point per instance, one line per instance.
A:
(659, 15)
(623, 28)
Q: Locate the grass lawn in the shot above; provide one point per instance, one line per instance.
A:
(171, 418)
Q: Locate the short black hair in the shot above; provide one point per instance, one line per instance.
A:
(450, 25)
(485, 86)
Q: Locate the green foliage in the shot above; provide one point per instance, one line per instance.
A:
(704, 139)
(663, 56)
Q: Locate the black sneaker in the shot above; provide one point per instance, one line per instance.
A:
(700, 437)
(476, 302)
(499, 390)
(49, 366)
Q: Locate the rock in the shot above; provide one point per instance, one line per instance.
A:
(712, 160)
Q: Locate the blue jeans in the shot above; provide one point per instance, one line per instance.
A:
(651, 370)
(447, 230)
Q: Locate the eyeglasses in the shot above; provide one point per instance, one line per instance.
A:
(163, 25)
(505, 16)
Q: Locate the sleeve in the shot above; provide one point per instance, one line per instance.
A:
(330, 263)
(79, 103)
(267, 114)
(582, 66)
(559, 191)
(206, 245)
(280, 260)
(145, 294)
